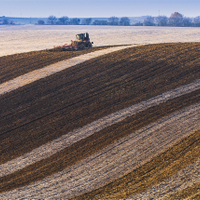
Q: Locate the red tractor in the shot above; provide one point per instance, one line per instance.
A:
(82, 42)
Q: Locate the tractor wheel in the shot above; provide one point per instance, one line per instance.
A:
(82, 47)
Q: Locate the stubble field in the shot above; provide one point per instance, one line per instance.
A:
(122, 125)
(24, 38)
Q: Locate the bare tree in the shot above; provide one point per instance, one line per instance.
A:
(176, 19)
(138, 24)
(125, 21)
(63, 20)
(52, 19)
(149, 21)
(113, 21)
(187, 22)
(75, 21)
(197, 21)
(41, 22)
(162, 20)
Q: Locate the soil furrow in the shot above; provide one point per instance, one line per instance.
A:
(88, 146)
(64, 141)
(52, 69)
(191, 192)
(105, 166)
(16, 65)
(183, 179)
(163, 175)
(47, 109)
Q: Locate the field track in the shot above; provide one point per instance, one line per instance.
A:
(52, 107)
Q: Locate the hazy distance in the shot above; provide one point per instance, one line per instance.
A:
(98, 8)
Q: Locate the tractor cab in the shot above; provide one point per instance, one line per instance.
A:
(82, 36)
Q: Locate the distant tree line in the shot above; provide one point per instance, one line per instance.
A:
(113, 21)
(5, 21)
(60, 21)
(124, 21)
(176, 20)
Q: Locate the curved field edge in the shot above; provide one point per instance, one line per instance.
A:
(44, 72)
(168, 163)
(96, 142)
(16, 65)
(98, 169)
(89, 91)
(65, 141)
(122, 82)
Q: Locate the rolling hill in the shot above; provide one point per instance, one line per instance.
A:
(122, 125)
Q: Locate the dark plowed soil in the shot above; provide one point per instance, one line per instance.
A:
(15, 65)
(46, 109)
(94, 143)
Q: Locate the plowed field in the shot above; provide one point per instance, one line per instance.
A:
(128, 155)
(18, 64)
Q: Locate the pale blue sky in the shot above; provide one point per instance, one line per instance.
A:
(98, 8)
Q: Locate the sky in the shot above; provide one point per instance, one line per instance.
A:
(98, 8)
